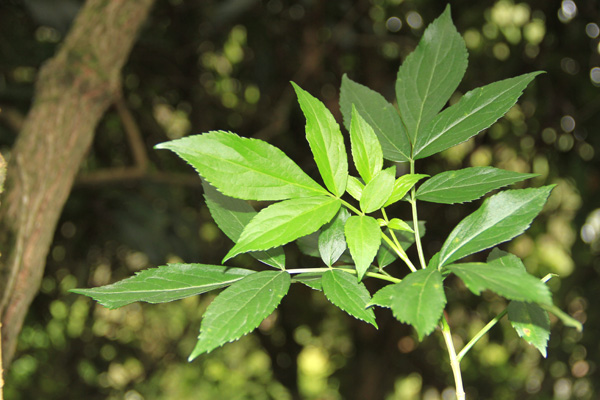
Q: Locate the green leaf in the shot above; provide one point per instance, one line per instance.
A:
(363, 236)
(512, 283)
(531, 323)
(402, 185)
(476, 110)
(240, 308)
(231, 216)
(244, 168)
(501, 258)
(419, 300)
(386, 256)
(332, 242)
(355, 187)
(467, 184)
(378, 191)
(282, 222)
(384, 296)
(342, 289)
(326, 142)
(309, 244)
(430, 74)
(165, 283)
(366, 150)
(500, 218)
(399, 225)
(379, 114)
(312, 280)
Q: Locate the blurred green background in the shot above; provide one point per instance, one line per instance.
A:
(201, 65)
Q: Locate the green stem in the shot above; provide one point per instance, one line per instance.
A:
(351, 207)
(480, 334)
(397, 248)
(399, 251)
(349, 270)
(454, 360)
(413, 202)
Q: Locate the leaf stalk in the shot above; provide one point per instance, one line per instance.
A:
(454, 360)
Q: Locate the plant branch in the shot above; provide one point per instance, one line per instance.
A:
(349, 270)
(399, 251)
(413, 203)
(454, 360)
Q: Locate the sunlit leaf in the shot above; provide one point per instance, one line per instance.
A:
(332, 242)
(164, 284)
(363, 236)
(466, 184)
(430, 74)
(240, 308)
(379, 114)
(282, 222)
(326, 142)
(366, 150)
(378, 191)
(244, 168)
(531, 323)
(500, 218)
(231, 216)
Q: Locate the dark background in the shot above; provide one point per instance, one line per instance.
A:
(205, 65)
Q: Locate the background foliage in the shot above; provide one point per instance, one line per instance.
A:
(202, 65)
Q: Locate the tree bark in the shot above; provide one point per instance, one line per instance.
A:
(73, 91)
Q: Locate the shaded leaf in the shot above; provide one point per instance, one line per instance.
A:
(379, 114)
(244, 168)
(311, 280)
(466, 184)
(531, 323)
(419, 300)
(165, 283)
(326, 142)
(430, 74)
(240, 308)
(500, 218)
(476, 111)
(231, 216)
(366, 150)
(512, 283)
(282, 222)
(363, 236)
(332, 242)
(342, 289)
(384, 296)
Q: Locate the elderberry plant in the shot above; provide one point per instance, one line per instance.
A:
(351, 241)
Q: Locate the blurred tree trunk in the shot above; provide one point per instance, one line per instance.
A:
(73, 91)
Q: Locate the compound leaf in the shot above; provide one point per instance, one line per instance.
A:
(500, 218)
(282, 222)
(166, 283)
(379, 114)
(240, 308)
(342, 289)
(244, 168)
(326, 142)
(466, 184)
